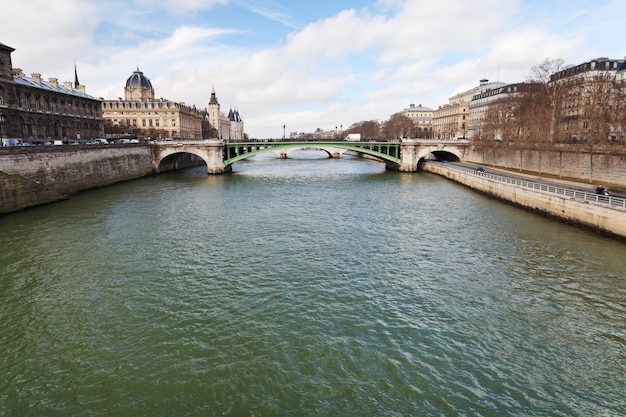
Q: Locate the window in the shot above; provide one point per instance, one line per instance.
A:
(3, 127)
(173, 122)
(143, 122)
(156, 122)
(165, 122)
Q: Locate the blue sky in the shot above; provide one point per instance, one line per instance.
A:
(306, 64)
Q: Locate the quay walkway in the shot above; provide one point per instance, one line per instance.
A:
(570, 204)
(568, 189)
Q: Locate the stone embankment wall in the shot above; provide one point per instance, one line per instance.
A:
(598, 217)
(595, 166)
(39, 175)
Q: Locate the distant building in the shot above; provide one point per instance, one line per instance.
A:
(422, 118)
(34, 110)
(227, 127)
(592, 97)
(482, 103)
(451, 120)
(140, 113)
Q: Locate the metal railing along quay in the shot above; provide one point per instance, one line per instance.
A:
(613, 202)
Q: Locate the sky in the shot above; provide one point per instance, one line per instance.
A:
(306, 64)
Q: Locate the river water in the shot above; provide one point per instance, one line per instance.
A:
(306, 287)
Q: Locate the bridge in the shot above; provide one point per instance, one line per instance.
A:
(220, 156)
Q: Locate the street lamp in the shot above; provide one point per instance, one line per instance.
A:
(284, 133)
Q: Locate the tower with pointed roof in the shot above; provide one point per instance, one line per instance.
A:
(213, 112)
(228, 127)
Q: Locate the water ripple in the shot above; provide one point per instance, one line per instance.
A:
(306, 287)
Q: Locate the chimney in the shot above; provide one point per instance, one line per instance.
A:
(53, 82)
(81, 88)
(67, 85)
(36, 77)
(17, 72)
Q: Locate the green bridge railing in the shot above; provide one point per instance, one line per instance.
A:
(236, 151)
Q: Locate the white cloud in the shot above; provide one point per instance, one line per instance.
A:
(353, 65)
(53, 33)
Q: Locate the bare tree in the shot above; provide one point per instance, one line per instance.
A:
(398, 126)
(368, 130)
(598, 108)
(619, 126)
(549, 92)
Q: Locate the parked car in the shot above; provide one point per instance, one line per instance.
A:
(480, 169)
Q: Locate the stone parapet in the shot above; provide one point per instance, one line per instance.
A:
(38, 175)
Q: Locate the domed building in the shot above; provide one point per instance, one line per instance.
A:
(138, 87)
(142, 114)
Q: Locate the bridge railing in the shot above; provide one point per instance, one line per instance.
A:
(298, 140)
(614, 202)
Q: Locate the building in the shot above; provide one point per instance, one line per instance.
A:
(226, 127)
(422, 118)
(140, 113)
(35, 111)
(482, 109)
(590, 101)
(451, 120)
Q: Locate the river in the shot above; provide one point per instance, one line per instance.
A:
(306, 287)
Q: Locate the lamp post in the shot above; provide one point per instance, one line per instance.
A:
(284, 132)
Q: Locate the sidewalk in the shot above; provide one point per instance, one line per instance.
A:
(575, 185)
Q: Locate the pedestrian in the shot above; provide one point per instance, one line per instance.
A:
(601, 190)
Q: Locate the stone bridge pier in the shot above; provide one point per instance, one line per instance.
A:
(410, 158)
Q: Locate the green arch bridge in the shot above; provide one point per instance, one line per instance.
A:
(219, 156)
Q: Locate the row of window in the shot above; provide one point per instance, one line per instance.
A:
(139, 105)
(144, 122)
(41, 129)
(54, 104)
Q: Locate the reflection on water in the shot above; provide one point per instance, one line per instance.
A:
(306, 286)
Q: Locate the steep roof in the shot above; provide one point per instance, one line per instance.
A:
(45, 85)
(6, 47)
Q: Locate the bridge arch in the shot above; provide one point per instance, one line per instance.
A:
(387, 152)
(331, 152)
(171, 161)
(169, 156)
(441, 153)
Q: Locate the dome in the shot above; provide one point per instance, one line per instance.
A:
(138, 80)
